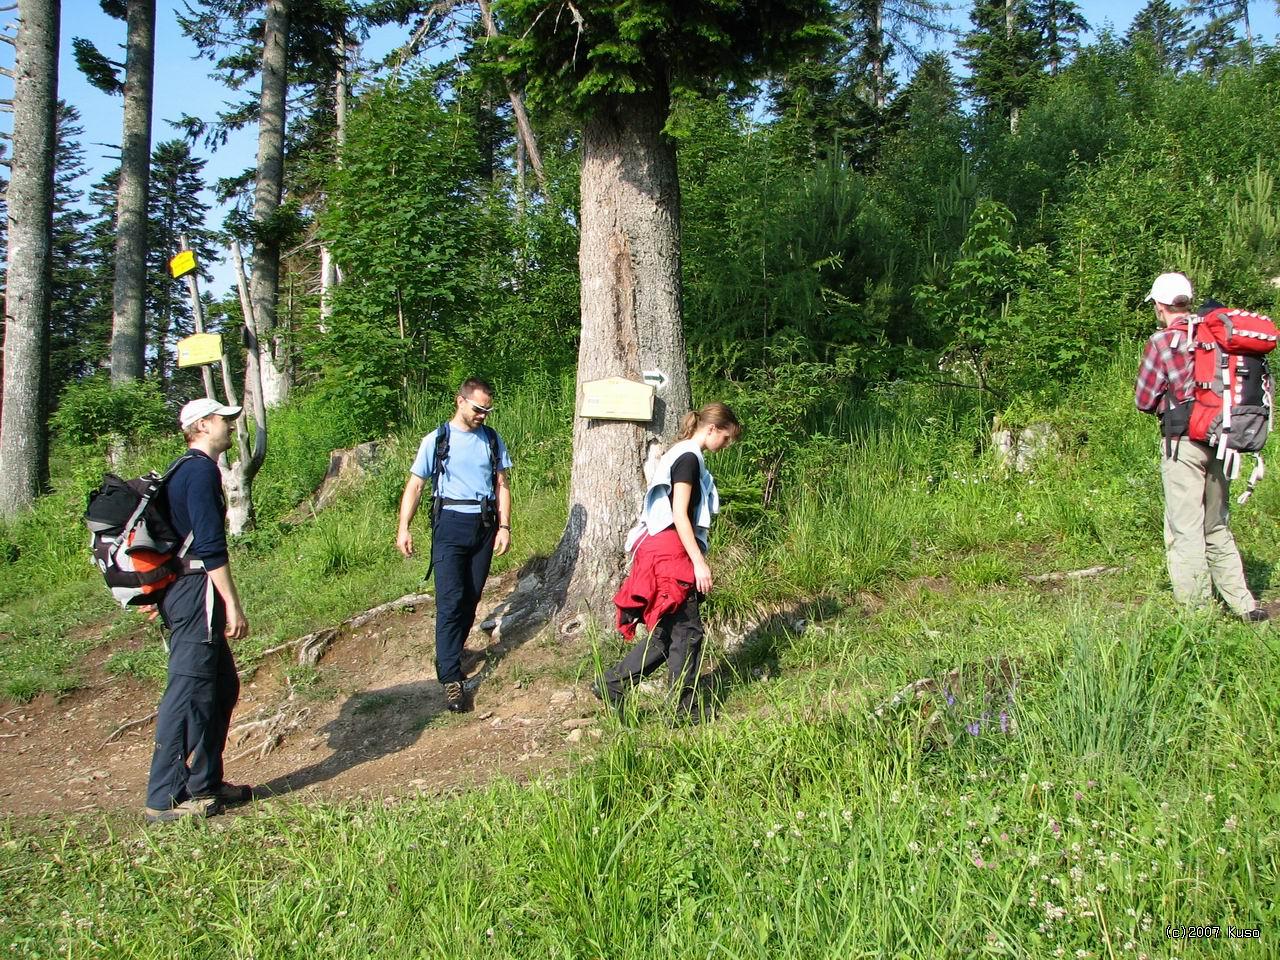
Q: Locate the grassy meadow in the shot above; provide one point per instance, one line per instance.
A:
(1098, 779)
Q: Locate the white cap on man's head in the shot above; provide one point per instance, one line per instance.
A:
(1169, 288)
(204, 407)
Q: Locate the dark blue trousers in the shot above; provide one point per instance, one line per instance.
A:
(195, 711)
(461, 550)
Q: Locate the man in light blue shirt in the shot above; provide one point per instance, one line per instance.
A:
(471, 522)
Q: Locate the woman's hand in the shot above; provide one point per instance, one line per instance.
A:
(701, 575)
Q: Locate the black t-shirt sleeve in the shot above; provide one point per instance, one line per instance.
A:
(687, 470)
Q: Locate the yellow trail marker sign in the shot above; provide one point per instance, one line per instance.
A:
(199, 349)
(182, 264)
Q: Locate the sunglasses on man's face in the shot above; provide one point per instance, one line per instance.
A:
(477, 407)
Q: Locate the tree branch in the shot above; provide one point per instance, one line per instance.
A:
(523, 127)
(435, 13)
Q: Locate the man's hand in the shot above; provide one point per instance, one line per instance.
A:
(237, 624)
(404, 543)
(501, 542)
(702, 576)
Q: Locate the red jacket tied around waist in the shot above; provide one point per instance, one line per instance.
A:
(659, 583)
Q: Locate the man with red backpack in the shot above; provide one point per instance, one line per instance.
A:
(1180, 367)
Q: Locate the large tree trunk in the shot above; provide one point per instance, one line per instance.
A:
(266, 200)
(629, 259)
(129, 295)
(24, 454)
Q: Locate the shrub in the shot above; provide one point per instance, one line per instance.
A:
(94, 413)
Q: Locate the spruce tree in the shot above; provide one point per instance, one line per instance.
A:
(1005, 58)
(24, 450)
(617, 64)
(176, 212)
(128, 339)
(292, 49)
(1216, 44)
(1166, 29)
(1060, 25)
(79, 321)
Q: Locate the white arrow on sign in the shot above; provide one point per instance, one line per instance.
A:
(655, 377)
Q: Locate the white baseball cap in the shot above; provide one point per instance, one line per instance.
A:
(204, 407)
(1168, 288)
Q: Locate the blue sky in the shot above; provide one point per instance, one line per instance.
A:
(183, 84)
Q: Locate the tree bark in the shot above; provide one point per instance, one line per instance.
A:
(328, 268)
(877, 65)
(629, 259)
(237, 478)
(24, 452)
(129, 294)
(1009, 17)
(266, 201)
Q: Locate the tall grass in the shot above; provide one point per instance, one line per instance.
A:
(822, 832)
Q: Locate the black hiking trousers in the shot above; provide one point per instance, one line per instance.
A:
(675, 641)
(461, 551)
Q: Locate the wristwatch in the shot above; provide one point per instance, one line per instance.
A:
(504, 526)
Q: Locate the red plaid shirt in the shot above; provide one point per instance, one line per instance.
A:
(1164, 367)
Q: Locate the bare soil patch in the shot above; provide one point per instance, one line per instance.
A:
(371, 722)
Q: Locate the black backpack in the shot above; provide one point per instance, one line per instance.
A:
(132, 539)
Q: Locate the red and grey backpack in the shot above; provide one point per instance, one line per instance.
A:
(133, 542)
(1230, 407)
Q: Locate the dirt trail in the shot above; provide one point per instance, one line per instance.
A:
(384, 731)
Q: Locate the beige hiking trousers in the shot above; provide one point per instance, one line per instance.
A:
(1198, 543)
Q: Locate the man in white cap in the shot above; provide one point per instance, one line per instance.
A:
(202, 611)
(1199, 547)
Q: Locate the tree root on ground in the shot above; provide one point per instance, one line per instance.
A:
(313, 646)
(128, 725)
(275, 728)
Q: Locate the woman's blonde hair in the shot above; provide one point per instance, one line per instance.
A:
(715, 413)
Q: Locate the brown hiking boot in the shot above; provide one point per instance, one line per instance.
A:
(455, 697)
(230, 793)
(199, 807)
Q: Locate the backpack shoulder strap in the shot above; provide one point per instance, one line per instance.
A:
(173, 467)
(491, 435)
(441, 455)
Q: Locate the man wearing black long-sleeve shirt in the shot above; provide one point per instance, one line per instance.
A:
(202, 611)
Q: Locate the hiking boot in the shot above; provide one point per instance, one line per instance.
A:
(199, 807)
(1256, 615)
(605, 695)
(456, 699)
(231, 793)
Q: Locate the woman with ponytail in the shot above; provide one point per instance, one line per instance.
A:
(669, 571)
